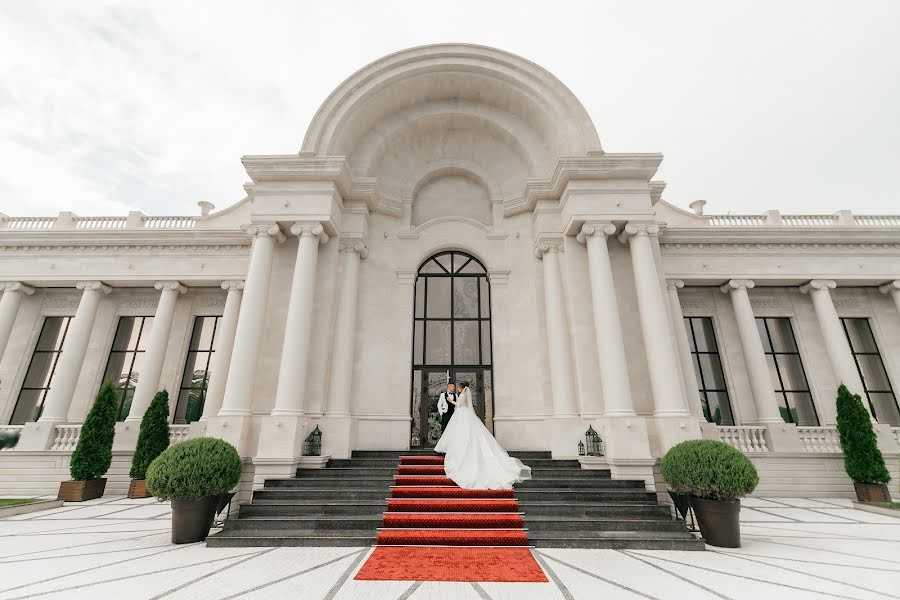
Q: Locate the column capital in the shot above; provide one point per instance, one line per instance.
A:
(595, 228)
(235, 284)
(354, 245)
(264, 230)
(548, 247)
(639, 229)
(674, 284)
(175, 286)
(893, 286)
(818, 284)
(93, 285)
(737, 284)
(16, 286)
(314, 229)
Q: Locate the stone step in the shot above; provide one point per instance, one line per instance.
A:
(346, 472)
(351, 492)
(569, 472)
(581, 482)
(616, 523)
(336, 493)
(380, 483)
(633, 540)
(266, 508)
(363, 463)
(520, 454)
(593, 509)
(300, 522)
(566, 495)
(237, 538)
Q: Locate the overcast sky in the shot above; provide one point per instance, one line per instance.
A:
(110, 107)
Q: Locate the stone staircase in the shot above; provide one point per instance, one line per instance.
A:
(563, 506)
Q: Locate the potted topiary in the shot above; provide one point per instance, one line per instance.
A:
(715, 475)
(93, 454)
(152, 440)
(862, 458)
(193, 475)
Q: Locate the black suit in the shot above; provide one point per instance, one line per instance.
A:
(445, 418)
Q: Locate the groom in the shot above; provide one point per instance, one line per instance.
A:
(445, 409)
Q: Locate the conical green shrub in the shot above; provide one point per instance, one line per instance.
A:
(154, 435)
(862, 458)
(93, 454)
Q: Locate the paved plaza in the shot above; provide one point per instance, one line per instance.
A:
(118, 548)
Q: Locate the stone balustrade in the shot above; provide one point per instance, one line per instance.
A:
(773, 218)
(820, 439)
(66, 437)
(747, 439)
(67, 220)
(178, 433)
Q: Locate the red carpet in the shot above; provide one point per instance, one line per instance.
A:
(433, 530)
(404, 563)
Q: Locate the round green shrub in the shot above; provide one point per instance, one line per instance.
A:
(93, 454)
(154, 435)
(194, 469)
(708, 469)
(863, 460)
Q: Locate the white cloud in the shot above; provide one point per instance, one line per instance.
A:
(108, 107)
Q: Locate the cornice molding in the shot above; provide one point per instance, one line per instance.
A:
(122, 240)
(759, 235)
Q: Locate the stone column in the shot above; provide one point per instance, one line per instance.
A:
(344, 345)
(616, 388)
(836, 344)
(691, 387)
(155, 355)
(892, 288)
(754, 355)
(291, 394)
(251, 321)
(68, 367)
(560, 352)
(9, 308)
(221, 358)
(663, 365)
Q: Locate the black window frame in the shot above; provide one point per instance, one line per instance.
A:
(121, 392)
(695, 359)
(209, 352)
(859, 370)
(781, 390)
(54, 361)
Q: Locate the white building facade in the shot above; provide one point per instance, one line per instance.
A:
(452, 212)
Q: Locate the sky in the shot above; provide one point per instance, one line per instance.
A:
(107, 107)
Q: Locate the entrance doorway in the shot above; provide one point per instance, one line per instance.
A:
(451, 340)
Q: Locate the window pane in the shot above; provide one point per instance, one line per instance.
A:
(773, 372)
(190, 366)
(127, 329)
(418, 332)
(792, 375)
(202, 336)
(485, 298)
(713, 377)
(763, 336)
(431, 267)
(690, 334)
(117, 367)
(486, 342)
(885, 406)
(52, 333)
(444, 261)
(128, 396)
(181, 407)
(786, 413)
(697, 373)
(860, 334)
(803, 409)
(144, 340)
(437, 350)
(420, 297)
(438, 297)
(706, 337)
(465, 338)
(38, 374)
(874, 376)
(460, 262)
(136, 368)
(465, 297)
(472, 267)
(26, 407)
(720, 408)
(782, 335)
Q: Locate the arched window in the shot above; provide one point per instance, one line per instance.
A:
(451, 339)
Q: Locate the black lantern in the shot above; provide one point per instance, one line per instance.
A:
(313, 444)
(580, 448)
(593, 443)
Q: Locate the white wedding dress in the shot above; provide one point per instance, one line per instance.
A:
(473, 459)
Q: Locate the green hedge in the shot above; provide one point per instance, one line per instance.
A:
(154, 435)
(708, 469)
(862, 458)
(93, 454)
(194, 469)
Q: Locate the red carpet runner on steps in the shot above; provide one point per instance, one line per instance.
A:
(433, 530)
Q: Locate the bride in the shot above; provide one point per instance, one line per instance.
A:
(473, 458)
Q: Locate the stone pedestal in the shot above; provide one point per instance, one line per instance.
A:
(234, 429)
(337, 435)
(783, 437)
(126, 436)
(281, 437)
(669, 431)
(38, 435)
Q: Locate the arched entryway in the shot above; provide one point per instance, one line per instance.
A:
(451, 338)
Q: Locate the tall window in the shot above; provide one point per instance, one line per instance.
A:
(708, 367)
(786, 368)
(126, 358)
(39, 376)
(874, 377)
(192, 395)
